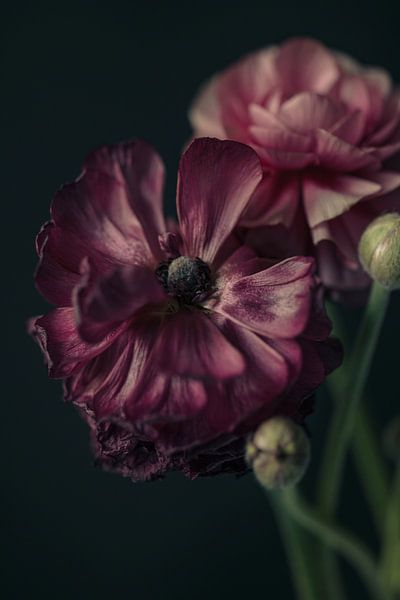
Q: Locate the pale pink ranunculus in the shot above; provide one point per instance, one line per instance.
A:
(325, 128)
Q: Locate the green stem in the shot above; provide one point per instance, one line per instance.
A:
(342, 424)
(390, 564)
(341, 541)
(366, 450)
(296, 547)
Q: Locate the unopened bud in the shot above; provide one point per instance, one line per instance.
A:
(391, 439)
(278, 452)
(379, 250)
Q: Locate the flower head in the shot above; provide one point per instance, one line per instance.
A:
(174, 344)
(324, 128)
(379, 250)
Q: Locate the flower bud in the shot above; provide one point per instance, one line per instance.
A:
(278, 452)
(379, 250)
(391, 439)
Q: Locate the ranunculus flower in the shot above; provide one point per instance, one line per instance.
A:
(324, 128)
(173, 345)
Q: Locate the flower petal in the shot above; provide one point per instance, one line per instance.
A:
(216, 180)
(107, 301)
(140, 170)
(191, 345)
(58, 338)
(334, 153)
(329, 197)
(307, 111)
(274, 302)
(305, 64)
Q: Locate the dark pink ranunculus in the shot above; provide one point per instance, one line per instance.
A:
(173, 345)
(325, 128)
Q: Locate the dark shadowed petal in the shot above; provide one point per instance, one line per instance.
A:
(140, 170)
(58, 338)
(305, 64)
(118, 450)
(274, 302)
(107, 382)
(106, 301)
(216, 180)
(190, 344)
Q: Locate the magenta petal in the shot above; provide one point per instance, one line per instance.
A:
(325, 199)
(205, 113)
(53, 278)
(274, 302)
(139, 169)
(305, 64)
(216, 180)
(93, 218)
(190, 344)
(58, 338)
(109, 300)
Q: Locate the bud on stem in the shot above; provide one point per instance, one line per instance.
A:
(278, 452)
(379, 250)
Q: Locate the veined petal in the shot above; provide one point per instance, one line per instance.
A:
(191, 345)
(139, 169)
(325, 199)
(216, 180)
(274, 302)
(58, 338)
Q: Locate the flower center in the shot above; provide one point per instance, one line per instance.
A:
(187, 279)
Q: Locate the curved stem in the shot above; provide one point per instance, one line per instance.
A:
(296, 546)
(367, 455)
(344, 417)
(390, 564)
(344, 543)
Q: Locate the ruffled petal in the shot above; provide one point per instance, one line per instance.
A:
(191, 345)
(216, 180)
(139, 169)
(274, 302)
(107, 301)
(63, 349)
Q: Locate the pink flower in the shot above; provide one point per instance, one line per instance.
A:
(324, 128)
(174, 344)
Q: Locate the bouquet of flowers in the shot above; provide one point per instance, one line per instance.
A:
(198, 344)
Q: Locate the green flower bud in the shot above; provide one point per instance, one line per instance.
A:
(379, 250)
(391, 439)
(278, 452)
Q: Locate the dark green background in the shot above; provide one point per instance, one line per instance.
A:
(74, 75)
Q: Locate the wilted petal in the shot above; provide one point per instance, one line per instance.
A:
(216, 180)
